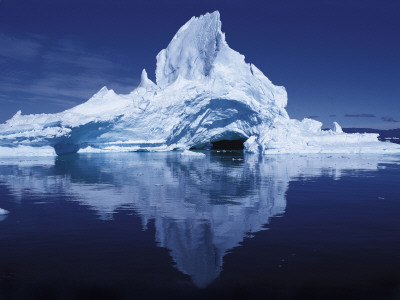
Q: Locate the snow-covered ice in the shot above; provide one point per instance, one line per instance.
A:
(204, 92)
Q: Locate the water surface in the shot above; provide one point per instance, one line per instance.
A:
(151, 225)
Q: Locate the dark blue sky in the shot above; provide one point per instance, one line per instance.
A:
(338, 59)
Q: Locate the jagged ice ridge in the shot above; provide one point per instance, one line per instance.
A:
(204, 92)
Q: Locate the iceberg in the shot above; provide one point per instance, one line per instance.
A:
(204, 92)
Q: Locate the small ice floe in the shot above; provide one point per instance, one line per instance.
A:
(158, 184)
(192, 154)
(4, 212)
(381, 198)
(237, 159)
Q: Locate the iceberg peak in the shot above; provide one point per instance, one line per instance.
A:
(17, 114)
(145, 82)
(337, 128)
(101, 93)
(14, 120)
(192, 51)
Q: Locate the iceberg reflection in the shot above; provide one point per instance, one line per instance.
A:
(202, 208)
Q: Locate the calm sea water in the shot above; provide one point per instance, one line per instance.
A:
(158, 225)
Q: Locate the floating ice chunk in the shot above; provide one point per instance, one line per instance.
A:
(188, 153)
(4, 212)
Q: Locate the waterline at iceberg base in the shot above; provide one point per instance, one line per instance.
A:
(204, 92)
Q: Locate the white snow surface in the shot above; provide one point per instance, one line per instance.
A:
(204, 92)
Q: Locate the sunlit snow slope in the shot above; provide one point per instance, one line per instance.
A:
(205, 92)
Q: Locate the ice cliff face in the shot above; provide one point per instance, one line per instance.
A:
(205, 92)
